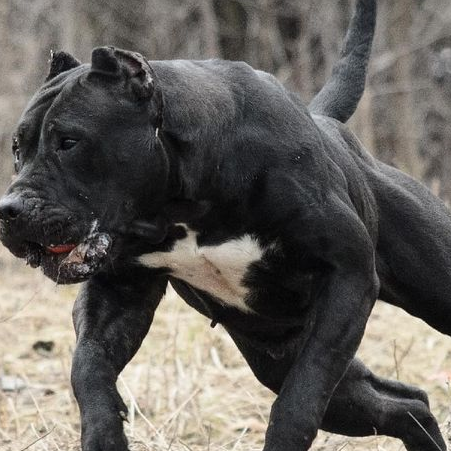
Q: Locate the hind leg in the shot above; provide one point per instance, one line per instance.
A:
(362, 404)
(413, 259)
(427, 299)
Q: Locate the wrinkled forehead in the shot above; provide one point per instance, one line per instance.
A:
(34, 113)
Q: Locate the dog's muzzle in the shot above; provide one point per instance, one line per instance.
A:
(67, 251)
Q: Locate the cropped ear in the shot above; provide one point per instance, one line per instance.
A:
(61, 62)
(117, 63)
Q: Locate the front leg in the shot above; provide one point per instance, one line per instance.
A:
(112, 315)
(341, 309)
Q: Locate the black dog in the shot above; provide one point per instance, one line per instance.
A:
(265, 216)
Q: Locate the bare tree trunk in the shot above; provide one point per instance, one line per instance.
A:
(404, 132)
(395, 142)
(211, 46)
(361, 122)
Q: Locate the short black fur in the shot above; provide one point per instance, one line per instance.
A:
(231, 153)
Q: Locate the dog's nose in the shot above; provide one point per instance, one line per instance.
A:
(10, 207)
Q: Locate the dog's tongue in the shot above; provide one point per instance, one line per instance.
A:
(61, 248)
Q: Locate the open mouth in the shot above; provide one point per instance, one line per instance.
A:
(71, 262)
(61, 248)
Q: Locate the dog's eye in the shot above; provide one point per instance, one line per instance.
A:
(15, 146)
(67, 143)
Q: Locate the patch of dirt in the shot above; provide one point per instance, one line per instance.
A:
(187, 388)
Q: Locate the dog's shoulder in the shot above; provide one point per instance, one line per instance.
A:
(216, 77)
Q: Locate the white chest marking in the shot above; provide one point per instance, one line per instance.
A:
(217, 270)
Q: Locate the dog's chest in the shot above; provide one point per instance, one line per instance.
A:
(217, 269)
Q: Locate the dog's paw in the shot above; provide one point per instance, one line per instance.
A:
(106, 434)
(105, 441)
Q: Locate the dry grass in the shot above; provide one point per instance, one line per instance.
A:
(187, 388)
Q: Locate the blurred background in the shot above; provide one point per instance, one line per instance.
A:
(188, 388)
(402, 118)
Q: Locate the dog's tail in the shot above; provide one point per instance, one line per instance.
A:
(341, 93)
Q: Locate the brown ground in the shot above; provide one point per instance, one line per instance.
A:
(188, 388)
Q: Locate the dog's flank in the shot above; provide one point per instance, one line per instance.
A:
(342, 92)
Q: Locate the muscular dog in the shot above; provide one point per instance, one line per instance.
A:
(266, 216)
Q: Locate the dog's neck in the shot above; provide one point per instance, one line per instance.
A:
(197, 115)
(189, 167)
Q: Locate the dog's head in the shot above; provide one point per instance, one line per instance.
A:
(87, 161)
